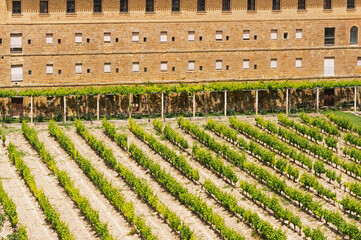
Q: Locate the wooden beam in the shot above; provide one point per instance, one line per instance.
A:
(32, 109)
(287, 101)
(355, 100)
(225, 103)
(194, 105)
(317, 99)
(162, 106)
(98, 97)
(64, 100)
(257, 102)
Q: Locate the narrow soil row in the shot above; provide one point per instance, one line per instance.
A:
(201, 230)
(205, 173)
(307, 219)
(58, 197)
(231, 221)
(161, 229)
(117, 225)
(29, 212)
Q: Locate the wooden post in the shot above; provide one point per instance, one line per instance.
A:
(225, 103)
(317, 99)
(162, 106)
(194, 105)
(64, 99)
(98, 97)
(287, 103)
(355, 100)
(257, 102)
(130, 105)
(32, 109)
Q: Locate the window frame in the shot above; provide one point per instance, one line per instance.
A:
(191, 36)
(77, 37)
(149, 6)
(49, 67)
(163, 36)
(350, 4)
(298, 63)
(70, 9)
(274, 32)
(164, 66)
(16, 9)
(245, 63)
(298, 33)
(201, 5)
(107, 67)
(107, 37)
(135, 36)
(276, 5)
(123, 6)
(135, 64)
(176, 5)
(49, 36)
(354, 35)
(329, 39)
(76, 68)
(226, 5)
(44, 7)
(12, 73)
(327, 4)
(358, 63)
(97, 6)
(301, 5)
(274, 63)
(219, 65)
(251, 5)
(190, 64)
(245, 34)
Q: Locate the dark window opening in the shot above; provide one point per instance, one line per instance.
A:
(201, 5)
(255, 66)
(329, 36)
(350, 4)
(255, 37)
(123, 5)
(44, 7)
(173, 39)
(29, 41)
(97, 6)
(70, 6)
(59, 71)
(1, 41)
(227, 38)
(175, 5)
(88, 40)
(301, 4)
(16, 7)
(116, 39)
(226, 5)
(145, 69)
(251, 5)
(354, 35)
(285, 35)
(149, 6)
(327, 4)
(117, 70)
(145, 39)
(200, 68)
(276, 5)
(59, 41)
(227, 67)
(29, 72)
(200, 38)
(173, 69)
(88, 70)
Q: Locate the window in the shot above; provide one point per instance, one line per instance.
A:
(107, 67)
(298, 62)
(298, 33)
(285, 35)
(1, 41)
(191, 36)
(329, 67)
(123, 5)
(16, 73)
(149, 6)
(49, 69)
(163, 66)
(245, 34)
(274, 63)
(135, 36)
(226, 5)
(219, 65)
(175, 5)
(107, 37)
(330, 36)
(218, 35)
(70, 6)
(350, 4)
(49, 38)
(16, 7)
(301, 4)
(163, 36)
(327, 4)
(79, 68)
(251, 5)
(16, 43)
(276, 5)
(354, 35)
(274, 34)
(97, 6)
(135, 67)
(201, 5)
(78, 38)
(44, 7)
(359, 61)
(191, 65)
(245, 63)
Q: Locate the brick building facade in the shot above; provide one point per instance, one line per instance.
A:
(94, 42)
